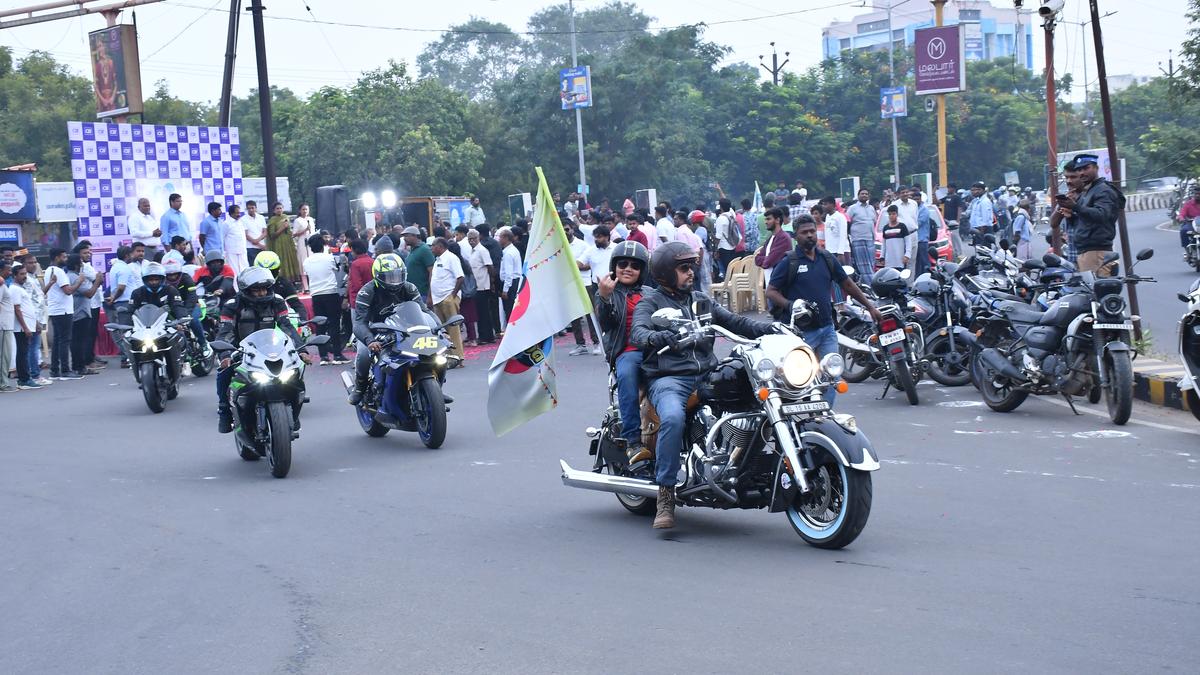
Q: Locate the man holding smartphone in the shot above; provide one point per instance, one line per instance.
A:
(1094, 214)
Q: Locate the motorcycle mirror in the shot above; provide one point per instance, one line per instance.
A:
(1145, 254)
(317, 320)
(665, 317)
(316, 340)
(116, 326)
(849, 270)
(1005, 244)
(220, 344)
(1183, 297)
(453, 321)
(905, 273)
(702, 307)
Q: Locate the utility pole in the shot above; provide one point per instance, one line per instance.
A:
(578, 115)
(1170, 73)
(938, 8)
(1111, 136)
(1051, 104)
(264, 102)
(235, 11)
(776, 67)
(892, 83)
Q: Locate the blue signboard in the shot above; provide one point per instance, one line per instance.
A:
(893, 102)
(16, 196)
(10, 234)
(575, 87)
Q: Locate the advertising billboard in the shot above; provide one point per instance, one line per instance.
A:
(941, 63)
(575, 87)
(17, 198)
(116, 74)
(893, 102)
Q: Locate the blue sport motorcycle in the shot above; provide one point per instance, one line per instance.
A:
(404, 389)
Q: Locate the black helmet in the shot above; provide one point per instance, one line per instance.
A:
(256, 277)
(886, 282)
(925, 285)
(666, 258)
(630, 250)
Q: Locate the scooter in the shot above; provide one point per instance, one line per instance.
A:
(1189, 348)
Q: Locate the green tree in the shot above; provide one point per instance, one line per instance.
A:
(471, 56)
(38, 96)
(600, 31)
(163, 108)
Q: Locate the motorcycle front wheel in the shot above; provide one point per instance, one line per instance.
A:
(1193, 402)
(1119, 393)
(203, 366)
(152, 389)
(279, 444)
(835, 511)
(430, 413)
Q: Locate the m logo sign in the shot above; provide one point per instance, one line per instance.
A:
(941, 65)
(936, 49)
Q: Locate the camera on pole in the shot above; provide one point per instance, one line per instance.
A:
(1050, 8)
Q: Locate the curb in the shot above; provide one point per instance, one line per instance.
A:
(1155, 381)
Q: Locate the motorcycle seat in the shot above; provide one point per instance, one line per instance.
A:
(1001, 295)
(1019, 312)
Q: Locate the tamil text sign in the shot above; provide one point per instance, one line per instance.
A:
(941, 64)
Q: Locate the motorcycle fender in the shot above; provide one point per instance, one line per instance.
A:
(852, 449)
(1116, 346)
(965, 335)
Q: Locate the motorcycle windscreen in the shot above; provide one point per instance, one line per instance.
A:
(148, 314)
(268, 343)
(408, 314)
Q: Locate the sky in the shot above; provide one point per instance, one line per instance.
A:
(183, 41)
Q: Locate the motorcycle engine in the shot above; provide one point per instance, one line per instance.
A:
(1069, 378)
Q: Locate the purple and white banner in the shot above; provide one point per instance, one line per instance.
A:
(941, 61)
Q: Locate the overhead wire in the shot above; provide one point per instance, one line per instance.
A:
(184, 30)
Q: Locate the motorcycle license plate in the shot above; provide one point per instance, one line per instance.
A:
(894, 336)
(1113, 326)
(798, 408)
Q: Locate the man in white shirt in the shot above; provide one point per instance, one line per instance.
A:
(480, 260)
(725, 226)
(907, 206)
(256, 231)
(474, 213)
(445, 289)
(90, 325)
(7, 325)
(236, 254)
(144, 227)
(321, 269)
(664, 224)
(594, 263)
(61, 305)
(837, 230)
(510, 271)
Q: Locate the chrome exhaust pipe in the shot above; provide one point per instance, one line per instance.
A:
(588, 480)
(855, 345)
(348, 381)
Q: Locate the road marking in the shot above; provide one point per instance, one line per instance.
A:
(1035, 474)
(1165, 226)
(1103, 433)
(960, 404)
(1153, 425)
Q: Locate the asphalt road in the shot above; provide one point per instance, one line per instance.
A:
(138, 543)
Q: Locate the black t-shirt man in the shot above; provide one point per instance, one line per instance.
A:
(951, 205)
(811, 280)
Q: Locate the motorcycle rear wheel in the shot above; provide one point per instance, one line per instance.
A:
(905, 381)
(639, 506)
(835, 511)
(366, 420)
(858, 365)
(955, 375)
(1001, 399)
(203, 366)
(279, 445)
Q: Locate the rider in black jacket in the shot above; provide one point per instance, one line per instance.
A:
(375, 302)
(187, 291)
(617, 295)
(156, 291)
(673, 375)
(254, 308)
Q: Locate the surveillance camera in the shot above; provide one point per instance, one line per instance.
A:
(1050, 7)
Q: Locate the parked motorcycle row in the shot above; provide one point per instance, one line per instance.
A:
(1011, 328)
(267, 391)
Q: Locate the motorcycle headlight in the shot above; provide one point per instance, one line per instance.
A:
(261, 378)
(287, 374)
(765, 369)
(1112, 304)
(439, 360)
(833, 366)
(799, 367)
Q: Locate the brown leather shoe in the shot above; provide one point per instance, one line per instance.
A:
(636, 452)
(664, 519)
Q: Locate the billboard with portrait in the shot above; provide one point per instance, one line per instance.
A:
(116, 75)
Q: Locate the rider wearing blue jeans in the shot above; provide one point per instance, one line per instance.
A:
(673, 375)
(808, 273)
(618, 294)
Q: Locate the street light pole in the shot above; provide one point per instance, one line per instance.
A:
(776, 67)
(892, 83)
(578, 115)
(1051, 105)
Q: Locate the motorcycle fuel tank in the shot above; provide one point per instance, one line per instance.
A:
(1065, 309)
